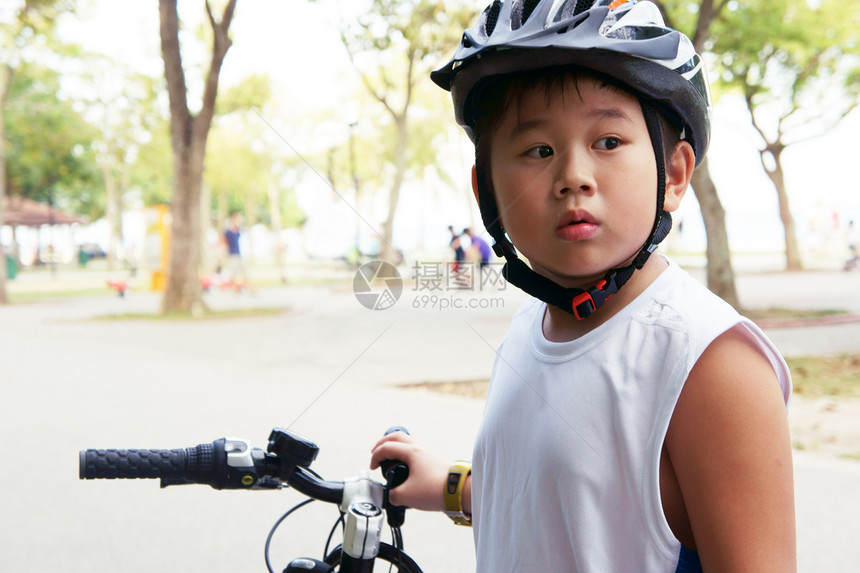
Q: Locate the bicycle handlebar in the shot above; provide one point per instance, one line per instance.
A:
(232, 463)
(226, 463)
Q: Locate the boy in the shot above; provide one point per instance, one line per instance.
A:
(634, 422)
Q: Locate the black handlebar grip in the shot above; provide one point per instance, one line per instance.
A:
(395, 471)
(133, 464)
(204, 464)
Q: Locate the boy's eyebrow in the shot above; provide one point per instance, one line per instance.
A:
(600, 113)
(528, 125)
(610, 113)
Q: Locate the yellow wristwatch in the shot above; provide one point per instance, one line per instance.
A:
(454, 485)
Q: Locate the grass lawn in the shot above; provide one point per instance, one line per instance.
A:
(837, 376)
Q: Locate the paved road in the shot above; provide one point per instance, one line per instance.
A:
(326, 368)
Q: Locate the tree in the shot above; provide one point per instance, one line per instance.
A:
(49, 144)
(32, 21)
(189, 133)
(696, 19)
(393, 46)
(124, 114)
(238, 174)
(799, 62)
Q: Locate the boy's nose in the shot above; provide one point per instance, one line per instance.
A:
(575, 174)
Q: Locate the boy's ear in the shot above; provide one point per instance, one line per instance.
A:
(679, 171)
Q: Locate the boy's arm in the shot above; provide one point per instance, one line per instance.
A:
(729, 446)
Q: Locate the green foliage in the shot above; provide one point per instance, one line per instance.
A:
(152, 171)
(49, 152)
(785, 51)
(394, 44)
(236, 171)
(423, 27)
(790, 52)
(239, 171)
(35, 18)
(251, 94)
(682, 15)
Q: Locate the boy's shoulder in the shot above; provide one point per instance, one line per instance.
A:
(677, 302)
(677, 295)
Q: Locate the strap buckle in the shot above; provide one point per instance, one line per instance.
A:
(583, 305)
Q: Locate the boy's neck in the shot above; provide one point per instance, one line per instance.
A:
(560, 326)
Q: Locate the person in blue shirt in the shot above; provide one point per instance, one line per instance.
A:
(479, 247)
(236, 266)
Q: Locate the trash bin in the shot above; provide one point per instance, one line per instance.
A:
(83, 257)
(11, 267)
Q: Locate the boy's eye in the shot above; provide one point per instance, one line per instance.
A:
(607, 143)
(541, 152)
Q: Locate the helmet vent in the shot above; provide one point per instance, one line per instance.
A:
(521, 11)
(492, 17)
(572, 8)
(582, 6)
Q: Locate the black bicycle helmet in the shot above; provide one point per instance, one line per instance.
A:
(626, 41)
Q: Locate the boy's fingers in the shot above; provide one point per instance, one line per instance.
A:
(389, 450)
(380, 453)
(397, 436)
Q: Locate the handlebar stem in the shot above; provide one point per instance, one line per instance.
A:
(361, 488)
(362, 504)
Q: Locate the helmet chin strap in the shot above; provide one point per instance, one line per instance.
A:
(581, 303)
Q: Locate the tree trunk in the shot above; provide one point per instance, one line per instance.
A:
(777, 176)
(721, 276)
(388, 252)
(184, 293)
(188, 139)
(207, 256)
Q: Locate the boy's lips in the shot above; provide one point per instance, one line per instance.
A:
(576, 226)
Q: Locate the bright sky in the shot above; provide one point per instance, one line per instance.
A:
(296, 43)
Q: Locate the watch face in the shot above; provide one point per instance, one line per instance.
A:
(453, 482)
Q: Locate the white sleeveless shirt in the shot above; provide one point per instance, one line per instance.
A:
(566, 462)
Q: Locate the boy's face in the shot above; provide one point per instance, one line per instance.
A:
(575, 179)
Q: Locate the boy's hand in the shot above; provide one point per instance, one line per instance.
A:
(425, 486)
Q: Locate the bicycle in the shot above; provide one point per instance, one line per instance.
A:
(233, 463)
